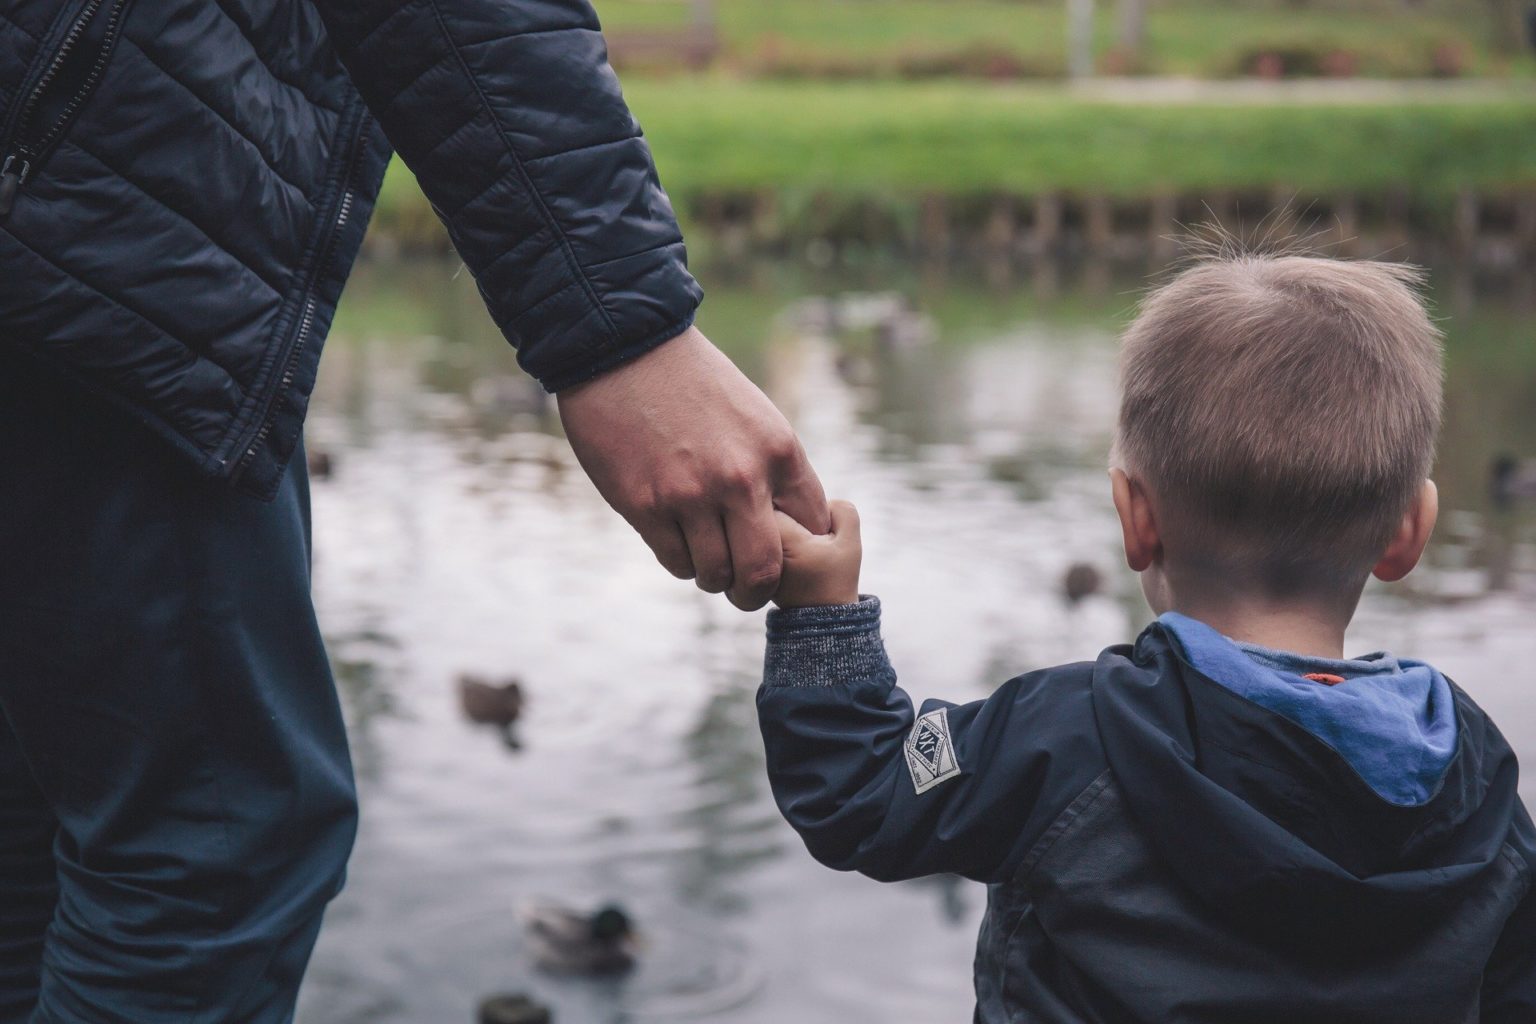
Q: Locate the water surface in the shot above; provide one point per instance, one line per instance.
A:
(969, 420)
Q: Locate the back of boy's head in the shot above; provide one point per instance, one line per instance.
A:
(1282, 410)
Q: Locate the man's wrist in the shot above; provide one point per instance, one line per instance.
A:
(570, 383)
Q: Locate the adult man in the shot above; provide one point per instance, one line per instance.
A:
(183, 188)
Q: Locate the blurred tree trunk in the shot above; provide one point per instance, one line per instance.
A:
(1508, 24)
(1080, 38)
(1133, 26)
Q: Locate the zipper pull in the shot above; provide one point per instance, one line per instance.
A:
(11, 181)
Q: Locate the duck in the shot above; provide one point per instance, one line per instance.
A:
(487, 703)
(853, 369)
(1512, 480)
(1080, 581)
(320, 463)
(514, 1008)
(567, 941)
(904, 329)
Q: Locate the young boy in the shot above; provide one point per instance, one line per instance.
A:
(1227, 821)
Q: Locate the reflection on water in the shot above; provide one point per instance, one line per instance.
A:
(969, 422)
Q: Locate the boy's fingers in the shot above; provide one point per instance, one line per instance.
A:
(845, 520)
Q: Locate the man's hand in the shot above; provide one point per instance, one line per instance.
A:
(820, 570)
(696, 458)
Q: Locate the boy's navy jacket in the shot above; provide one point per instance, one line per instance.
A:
(1159, 848)
(186, 182)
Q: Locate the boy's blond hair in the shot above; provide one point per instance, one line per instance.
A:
(1283, 412)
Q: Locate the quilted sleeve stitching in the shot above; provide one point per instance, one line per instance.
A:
(367, 37)
(583, 148)
(550, 221)
(634, 255)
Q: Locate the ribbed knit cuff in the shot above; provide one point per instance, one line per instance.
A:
(820, 646)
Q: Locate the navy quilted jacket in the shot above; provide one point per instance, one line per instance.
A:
(186, 183)
(1158, 848)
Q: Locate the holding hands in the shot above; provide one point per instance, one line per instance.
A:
(711, 475)
(697, 460)
(820, 569)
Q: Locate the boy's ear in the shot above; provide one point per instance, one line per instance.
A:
(1407, 545)
(1143, 542)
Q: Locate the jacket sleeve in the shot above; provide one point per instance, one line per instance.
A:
(1509, 983)
(513, 122)
(873, 786)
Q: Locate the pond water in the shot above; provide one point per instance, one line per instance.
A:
(969, 420)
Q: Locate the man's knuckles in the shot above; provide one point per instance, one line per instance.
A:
(733, 484)
(738, 481)
(783, 451)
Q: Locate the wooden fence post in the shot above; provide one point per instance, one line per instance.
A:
(1468, 218)
(1099, 225)
(1163, 226)
(933, 225)
(1046, 230)
(1346, 220)
(999, 235)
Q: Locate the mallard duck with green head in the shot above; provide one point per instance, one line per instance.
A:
(567, 941)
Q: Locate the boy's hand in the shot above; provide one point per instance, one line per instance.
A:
(820, 570)
(696, 458)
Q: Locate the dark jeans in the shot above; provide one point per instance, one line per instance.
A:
(176, 799)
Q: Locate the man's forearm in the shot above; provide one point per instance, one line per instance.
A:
(514, 124)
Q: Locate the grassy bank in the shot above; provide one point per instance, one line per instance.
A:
(1185, 37)
(960, 138)
(799, 140)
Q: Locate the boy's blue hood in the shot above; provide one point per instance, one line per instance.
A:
(1330, 818)
(1393, 721)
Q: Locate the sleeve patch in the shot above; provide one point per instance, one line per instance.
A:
(930, 754)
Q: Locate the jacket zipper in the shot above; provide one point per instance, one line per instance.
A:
(307, 318)
(25, 152)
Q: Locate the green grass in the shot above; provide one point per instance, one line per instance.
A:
(1195, 37)
(968, 138)
(891, 140)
